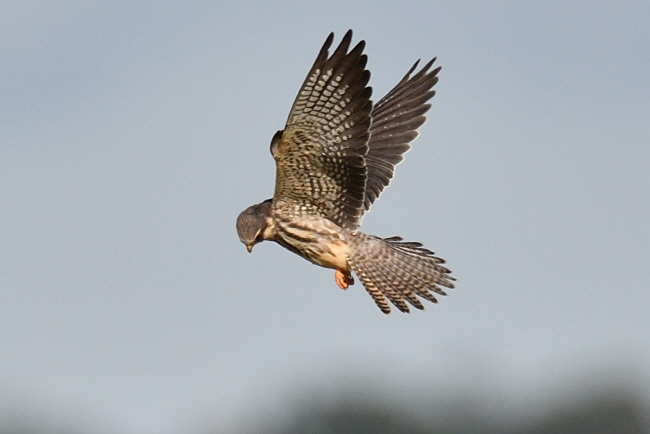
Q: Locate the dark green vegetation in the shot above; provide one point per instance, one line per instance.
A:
(615, 413)
(616, 410)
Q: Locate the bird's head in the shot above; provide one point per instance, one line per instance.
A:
(252, 222)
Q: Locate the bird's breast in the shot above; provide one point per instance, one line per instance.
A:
(315, 238)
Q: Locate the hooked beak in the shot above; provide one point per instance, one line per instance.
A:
(249, 247)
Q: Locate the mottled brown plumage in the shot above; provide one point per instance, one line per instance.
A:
(334, 157)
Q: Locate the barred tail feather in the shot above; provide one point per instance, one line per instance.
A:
(397, 271)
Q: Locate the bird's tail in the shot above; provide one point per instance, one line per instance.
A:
(398, 271)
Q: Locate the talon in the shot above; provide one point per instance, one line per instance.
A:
(343, 279)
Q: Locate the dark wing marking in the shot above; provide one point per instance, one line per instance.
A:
(320, 165)
(395, 120)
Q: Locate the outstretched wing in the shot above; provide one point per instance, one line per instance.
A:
(320, 165)
(395, 120)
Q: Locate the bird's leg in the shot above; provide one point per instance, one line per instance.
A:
(343, 279)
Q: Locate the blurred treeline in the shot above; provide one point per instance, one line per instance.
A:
(606, 411)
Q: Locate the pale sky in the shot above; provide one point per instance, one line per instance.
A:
(132, 135)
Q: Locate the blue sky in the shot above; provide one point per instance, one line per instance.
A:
(132, 134)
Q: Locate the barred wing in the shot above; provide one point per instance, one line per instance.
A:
(395, 120)
(320, 165)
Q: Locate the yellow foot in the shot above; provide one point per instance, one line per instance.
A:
(343, 279)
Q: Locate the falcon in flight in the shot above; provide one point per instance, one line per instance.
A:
(334, 157)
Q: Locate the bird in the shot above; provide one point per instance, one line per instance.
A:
(334, 157)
